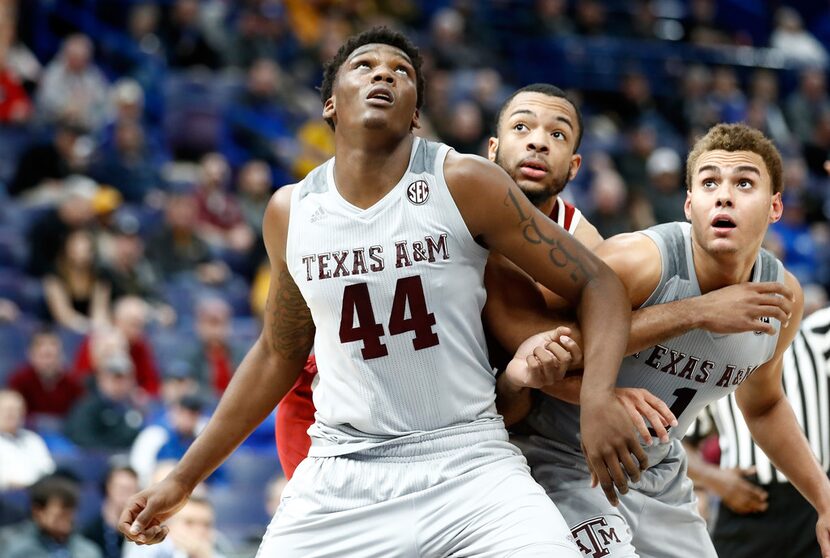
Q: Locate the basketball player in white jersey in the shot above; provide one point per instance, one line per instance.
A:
(377, 258)
(734, 182)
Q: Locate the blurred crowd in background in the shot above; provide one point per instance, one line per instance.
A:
(141, 140)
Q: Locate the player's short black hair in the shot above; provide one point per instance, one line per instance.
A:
(380, 35)
(551, 91)
(53, 487)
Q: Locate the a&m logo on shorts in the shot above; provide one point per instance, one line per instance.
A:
(418, 192)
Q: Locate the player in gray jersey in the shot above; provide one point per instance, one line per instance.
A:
(377, 257)
(734, 183)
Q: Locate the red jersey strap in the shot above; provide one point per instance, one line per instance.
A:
(565, 215)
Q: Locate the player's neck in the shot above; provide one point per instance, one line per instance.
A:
(715, 271)
(547, 206)
(365, 172)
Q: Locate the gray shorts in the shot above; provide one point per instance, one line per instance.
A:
(657, 518)
(466, 495)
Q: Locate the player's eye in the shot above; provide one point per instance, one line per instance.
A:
(745, 184)
(710, 184)
(402, 69)
(362, 64)
(558, 135)
(520, 127)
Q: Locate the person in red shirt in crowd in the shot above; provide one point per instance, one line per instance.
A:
(43, 381)
(130, 318)
(216, 356)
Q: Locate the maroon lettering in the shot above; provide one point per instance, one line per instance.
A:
(322, 264)
(356, 300)
(437, 248)
(359, 263)
(727, 376)
(375, 253)
(339, 263)
(674, 359)
(655, 356)
(689, 368)
(705, 368)
(411, 290)
(402, 255)
(418, 251)
(307, 260)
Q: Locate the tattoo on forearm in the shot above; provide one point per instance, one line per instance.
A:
(292, 329)
(558, 252)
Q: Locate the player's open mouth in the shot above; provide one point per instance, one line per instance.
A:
(723, 223)
(533, 168)
(381, 95)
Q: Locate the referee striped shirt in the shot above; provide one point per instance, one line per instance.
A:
(807, 385)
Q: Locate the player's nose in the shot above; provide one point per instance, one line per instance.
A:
(383, 73)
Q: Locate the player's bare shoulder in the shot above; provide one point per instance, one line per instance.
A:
(275, 222)
(636, 260)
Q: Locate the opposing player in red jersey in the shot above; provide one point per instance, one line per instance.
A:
(537, 133)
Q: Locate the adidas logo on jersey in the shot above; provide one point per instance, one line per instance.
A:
(318, 215)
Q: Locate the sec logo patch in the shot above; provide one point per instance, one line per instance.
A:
(418, 192)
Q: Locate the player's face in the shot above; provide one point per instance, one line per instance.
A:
(731, 203)
(375, 88)
(537, 136)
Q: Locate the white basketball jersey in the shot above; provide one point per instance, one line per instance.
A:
(688, 371)
(396, 293)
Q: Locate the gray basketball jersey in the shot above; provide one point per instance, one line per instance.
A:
(687, 372)
(396, 293)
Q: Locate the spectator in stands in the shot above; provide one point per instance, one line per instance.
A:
(609, 204)
(18, 58)
(817, 148)
(192, 534)
(77, 295)
(262, 119)
(665, 190)
(168, 440)
(177, 381)
(120, 483)
(186, 42)
(48, 232)
(808, 103)
(130, 273)
(25, 457)
(216, 356)
(220, 221)
(50, 534)
(177, 248)
(73, 87)
(261, 31)
(449, 48)
(42, 167)
(15, 104)
(794, 42)
(764, 97)
(110, 416)
(552, 19)
(129, 318)
(467, 131)
(43, 380)
(254, 190)
(127, 163)
(701, 25)
(726, 97)
(9, 311)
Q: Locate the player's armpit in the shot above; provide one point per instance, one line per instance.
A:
(515, 308)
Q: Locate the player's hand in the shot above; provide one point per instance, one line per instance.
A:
(543, 359)
(643, 405)
(823, 534)
(740, 495)
(739, 308)
(142, 518)
(610, 444)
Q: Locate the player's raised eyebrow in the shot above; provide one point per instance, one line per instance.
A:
(560, 118)
(739, 168)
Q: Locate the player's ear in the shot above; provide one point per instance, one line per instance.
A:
(328, 108)
(687, 206)
(776, 208)
(492, 148)
(416, 120)
(576, 163)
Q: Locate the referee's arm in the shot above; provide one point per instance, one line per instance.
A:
(774, 427)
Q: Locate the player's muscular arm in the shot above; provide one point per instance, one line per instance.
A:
(774, 427)
(497, 213)
(268, 371)
(587, 234)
